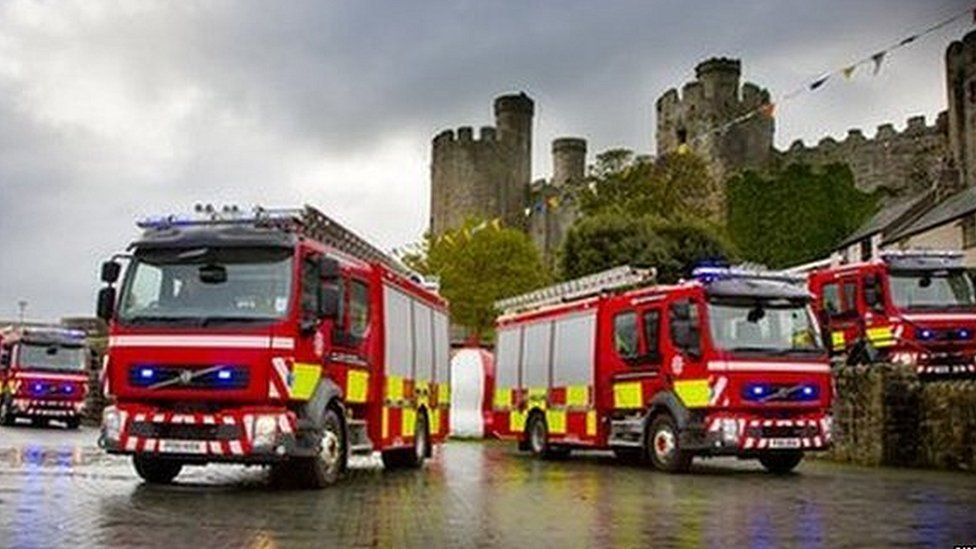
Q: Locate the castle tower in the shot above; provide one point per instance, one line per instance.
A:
(548, 227)
(715, 98)
(487, 177)
(960, 62)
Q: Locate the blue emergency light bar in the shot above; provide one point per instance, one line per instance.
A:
(707, 275)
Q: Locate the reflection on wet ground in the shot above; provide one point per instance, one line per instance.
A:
(56, 489)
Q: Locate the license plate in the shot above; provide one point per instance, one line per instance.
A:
(183, 446)
(784, 443)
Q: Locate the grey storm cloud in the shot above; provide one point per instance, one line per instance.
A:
(110, 110)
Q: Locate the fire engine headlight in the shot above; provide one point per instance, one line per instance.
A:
(730, 430)
(265, 429)
(111, 424)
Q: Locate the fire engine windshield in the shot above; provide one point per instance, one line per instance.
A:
(766, 326)
(207, 286)
(51, 357)
(932, 289)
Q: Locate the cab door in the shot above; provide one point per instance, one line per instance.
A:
(637, 359)
(352, 334)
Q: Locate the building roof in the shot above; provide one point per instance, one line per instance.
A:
(955, 207)
(886, 219)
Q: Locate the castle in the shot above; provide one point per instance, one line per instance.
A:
(490, 176)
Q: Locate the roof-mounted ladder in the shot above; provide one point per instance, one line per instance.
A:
(617, 278)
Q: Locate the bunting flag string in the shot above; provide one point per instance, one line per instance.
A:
(768, 109)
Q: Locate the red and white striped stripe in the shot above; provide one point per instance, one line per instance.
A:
(234, 447)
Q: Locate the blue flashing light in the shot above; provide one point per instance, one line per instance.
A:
(38, 387)
(758, 390)
(964, 333)
(808, 391)
(224, 375)
(69, 389)
(146, 373)
(925, 334)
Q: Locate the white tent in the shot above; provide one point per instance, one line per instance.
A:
(471, 383)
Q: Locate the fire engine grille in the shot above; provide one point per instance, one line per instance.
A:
(183, 431)
(197, 376)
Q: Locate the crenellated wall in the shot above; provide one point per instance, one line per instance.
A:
(901, 163)
(487, 176)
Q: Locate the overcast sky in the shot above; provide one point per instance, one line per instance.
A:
(112, 110)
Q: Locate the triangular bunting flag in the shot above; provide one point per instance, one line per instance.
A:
(908, 40)
(819, 82)
(768, 110)
(683, 148)
(496, 223)
(878, 58)
(849, 71)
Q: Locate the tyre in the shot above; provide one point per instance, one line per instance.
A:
(664, 446)
(326, 467)
(6, 415)
(537, 439)
(780, 463)
(155, 470)
(414, 457)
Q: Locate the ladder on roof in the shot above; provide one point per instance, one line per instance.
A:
(308, 221)
(613, 279)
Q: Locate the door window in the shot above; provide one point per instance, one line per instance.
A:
(358, 309)
(831, 298)
(850, 298)
(652, 334)
(625, 335)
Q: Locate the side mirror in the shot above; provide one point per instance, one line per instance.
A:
(4, 360)
(329, 269)
(111, 271)
(105, 309)
(328, 302)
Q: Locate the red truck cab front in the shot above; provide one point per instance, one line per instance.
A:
(910, 307)
(43, 374)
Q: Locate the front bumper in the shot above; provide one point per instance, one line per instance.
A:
(744, 435)
(242, 435)
(55, 409)
(938, 364)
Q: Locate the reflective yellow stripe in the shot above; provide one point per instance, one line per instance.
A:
(386, 422)
(837, 339)
(537, 398)
(882, 336)
(628, 395)
(357, 386)
(556, 420)
(516, 421)
(409, 422)
(394, 388)
(435, 420)
(577, 395)
(694, 393)
(591, 423)
(304, 379)
(444, 393)
(421, 391)
(503, 398)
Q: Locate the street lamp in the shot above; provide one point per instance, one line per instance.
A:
(22, 305)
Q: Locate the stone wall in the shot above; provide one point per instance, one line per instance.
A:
(883, 415)
(903, 163)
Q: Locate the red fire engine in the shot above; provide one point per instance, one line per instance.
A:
(910, 307)
(43, 374)
(275, 337)
(729, 363)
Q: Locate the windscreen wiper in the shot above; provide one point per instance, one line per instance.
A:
(208, 320)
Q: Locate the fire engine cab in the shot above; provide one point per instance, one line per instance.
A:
(729, 363)
(43, 374)
(910, 307)
(271, 337)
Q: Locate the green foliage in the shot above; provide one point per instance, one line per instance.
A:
(794, 215)
(606, 240)
(479, 263)
(673, 185)
(638, 212)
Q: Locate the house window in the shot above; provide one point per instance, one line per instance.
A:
(866, 249)
(969, 232)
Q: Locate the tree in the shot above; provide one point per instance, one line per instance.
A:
(796, 214)
(478, 264)
(672, 185)
(673, 247)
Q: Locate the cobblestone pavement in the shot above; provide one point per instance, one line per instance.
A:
(58, 490)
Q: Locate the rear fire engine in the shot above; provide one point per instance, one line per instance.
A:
(729, 363)
(43, 374)
(275, 337)
(909, 307)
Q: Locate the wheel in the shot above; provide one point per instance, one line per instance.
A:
(780, 463)
(537, 439)
(411, 458)
(664, 446)
(6, 416)
(73, 423)
(155, 470)
(326, 467)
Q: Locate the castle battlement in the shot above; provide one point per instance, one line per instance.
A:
(465, 134)
(915, 128)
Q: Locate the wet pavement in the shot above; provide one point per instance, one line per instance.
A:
(57, 489)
